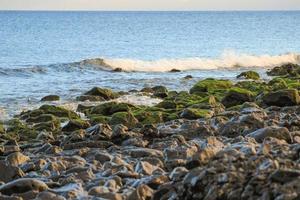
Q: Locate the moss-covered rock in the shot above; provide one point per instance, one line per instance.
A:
(278, 84)
(289, 69)
(58, 111)
(167, 104)
(41, 118)
(90, 98)
(194, 113)
(20, 130)
(125, 118)
(253, 86)
(160, 91)
(210, 86)
(99, 119)
(288, 97)
(107, 94)
(249, 75)
(146, 116)
(50, 126)
(236, 96)
(51, 98)
(110, 108)
(76, 124)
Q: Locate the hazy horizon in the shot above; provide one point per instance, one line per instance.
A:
(147, 5)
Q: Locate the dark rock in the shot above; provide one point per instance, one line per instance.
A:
(160, 91)
(237, 96)
(107, 94)
(11, 172)
(249, 75)
(289, 97)
(276, 132)
(51, 98)
(288, 69)
(23, 185)
(90, 98)
(118, 69)
(75, 124)
(175, 70)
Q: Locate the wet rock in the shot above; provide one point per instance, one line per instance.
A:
(107, 94)
(58, 111)
(249, 75)
(49, 196)
(210, 85)
(288, 69)
(75, 124)
(118, 69)
(194, 113)
(142, 192)
(23, 185)
(125, 118)
(160, 91)
(51, 98)
(276, 132)
(90, 98)
(16, 159)
(285, 175)
(175, 70)
(188, 77)
(282, 98)
(237, 96)
(11, 172)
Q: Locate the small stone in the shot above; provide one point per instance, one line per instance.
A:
(51, 98)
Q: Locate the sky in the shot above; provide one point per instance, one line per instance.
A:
(149, 4)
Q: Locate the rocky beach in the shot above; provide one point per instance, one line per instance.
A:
(220, 140)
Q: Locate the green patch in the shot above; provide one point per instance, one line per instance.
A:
(194, 113)
(2, 130)
(150, 117)
(210, 86)
(18, 129)
(125, 118)
(249, 75)
(110, 108)
(58, 112)
(253, 86)
(167, 104)
(103, 92)
(99, 119)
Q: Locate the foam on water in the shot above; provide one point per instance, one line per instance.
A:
(228, 60)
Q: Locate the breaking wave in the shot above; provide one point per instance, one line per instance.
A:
(228, 61)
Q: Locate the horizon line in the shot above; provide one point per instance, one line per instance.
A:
(142, 10)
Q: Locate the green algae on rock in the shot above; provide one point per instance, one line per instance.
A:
(211, 86)
(236, 96)
(249, 75)
(51, 98)
(289, 70)
(125, 118)
(107, 94)
(287, 97)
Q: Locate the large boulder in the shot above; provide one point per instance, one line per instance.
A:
(107, 94)
(194, 113)
(211, 86)
(237, 96)
(160, 91)
(281, 98)
(58, 111)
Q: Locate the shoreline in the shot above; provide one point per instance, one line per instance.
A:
(220, 140)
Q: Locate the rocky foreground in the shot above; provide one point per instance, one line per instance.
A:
(221, 140)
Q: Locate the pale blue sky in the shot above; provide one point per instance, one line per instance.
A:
(150, 4)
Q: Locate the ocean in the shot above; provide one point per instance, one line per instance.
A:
(42, 53)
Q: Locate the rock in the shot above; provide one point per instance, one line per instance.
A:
(237, 96)
(107, 94)
(49, 196)
(51, 98)
(90, 98)
(11, 172)
(175, 70)
(249, 75)
(167, 104)
(188, 77)
(75, 124)
(160, 91)
(288, 69)
(118, 69)
(16, 159)
(23, 185)
(285, 175)
(142, 192)
(125, 118)
(100, 131)
(58, 111)
(276, 132)
(289, 97)
(144, 152)
(2, 130)
(210, 86)
(193, 113)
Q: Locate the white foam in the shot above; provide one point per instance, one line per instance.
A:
(226, 61)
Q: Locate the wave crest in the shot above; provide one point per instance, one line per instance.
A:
(226, 61)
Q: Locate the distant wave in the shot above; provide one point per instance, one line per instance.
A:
(228, 60)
